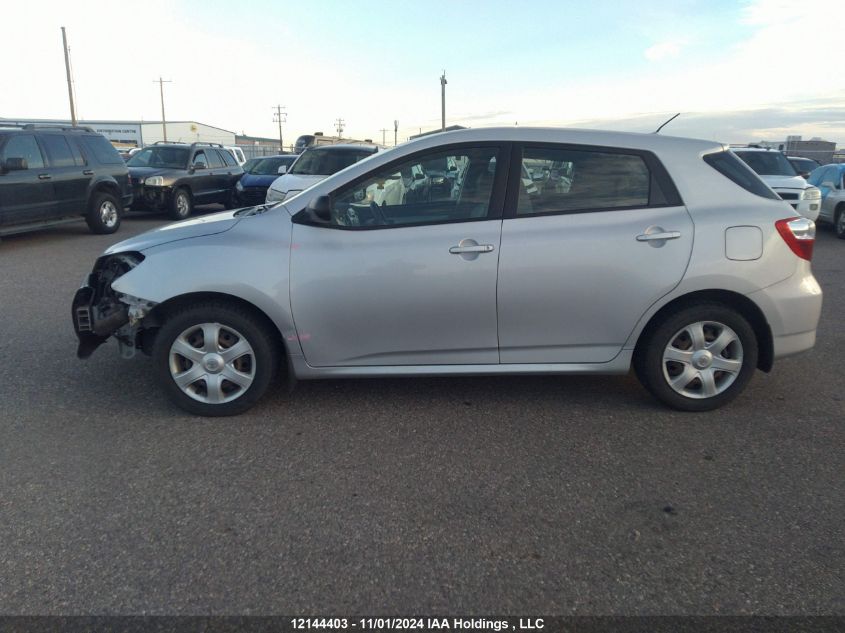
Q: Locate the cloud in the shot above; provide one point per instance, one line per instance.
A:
(662, 50)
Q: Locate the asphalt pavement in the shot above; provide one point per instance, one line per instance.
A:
(555, 495)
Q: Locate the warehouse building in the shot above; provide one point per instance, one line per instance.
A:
(139, 133)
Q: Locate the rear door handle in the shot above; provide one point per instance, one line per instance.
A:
(44, 176)
(665, 235)
(88, 172)
(477, 248)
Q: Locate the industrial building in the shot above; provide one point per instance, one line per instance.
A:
(140, 133)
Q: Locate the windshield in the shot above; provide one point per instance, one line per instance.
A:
(270, 166)
(327, 161)
(170, 157)
(768, 163)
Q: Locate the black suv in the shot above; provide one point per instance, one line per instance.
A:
(49, 174)
(176, 176)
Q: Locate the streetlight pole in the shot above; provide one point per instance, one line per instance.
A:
(443, 83)
(395, 130)
(161, 83)
(69, 81)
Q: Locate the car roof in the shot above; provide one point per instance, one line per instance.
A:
(578, 136)
(344, 147)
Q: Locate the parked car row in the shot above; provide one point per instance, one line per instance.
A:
(486, 251)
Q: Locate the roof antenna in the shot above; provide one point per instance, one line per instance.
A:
(657, 131)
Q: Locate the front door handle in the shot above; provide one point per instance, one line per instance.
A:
(44, 176)
(477, 248)
(87, 172)
(665, 235)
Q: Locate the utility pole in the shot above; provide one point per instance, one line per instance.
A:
(383, 132)
(69, 80)
(443, 83)
(339, 123)
(161, 83)
(395, 130)
(280, 116)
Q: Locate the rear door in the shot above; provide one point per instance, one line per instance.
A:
(25, 195)
(598, 236)
(202, 181)
(70, 175)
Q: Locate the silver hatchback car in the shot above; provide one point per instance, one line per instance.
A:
(485, 251)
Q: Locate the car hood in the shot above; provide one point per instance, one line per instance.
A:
(785, 182)
(295, 182)
(257, 180)
(146, 172)
(195, 227)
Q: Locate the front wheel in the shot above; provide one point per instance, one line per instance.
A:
(698, 358)
(215, 358)
(180, 205)
(104, 213)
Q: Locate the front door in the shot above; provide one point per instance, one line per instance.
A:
(26, 195)
(597, 238)
(399, 279)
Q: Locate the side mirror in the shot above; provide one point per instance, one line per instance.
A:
(828, 184)
(15, 164)
(199, 166)
(419, 176)
(452, 168)
(283, 169)
(320, 209)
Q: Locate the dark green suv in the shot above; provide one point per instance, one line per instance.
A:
(173, 177)
(50, 175)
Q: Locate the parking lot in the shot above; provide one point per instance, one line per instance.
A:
(475, 495)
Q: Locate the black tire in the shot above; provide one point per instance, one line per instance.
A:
(181, 204)
(839, 222)
(231, 200)
(105, 212)
(654, 374)
(266, 353)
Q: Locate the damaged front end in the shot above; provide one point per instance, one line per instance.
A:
(100, 312)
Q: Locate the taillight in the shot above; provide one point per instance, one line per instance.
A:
(799, 234)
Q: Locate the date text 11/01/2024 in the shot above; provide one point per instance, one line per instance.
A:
(424, 624)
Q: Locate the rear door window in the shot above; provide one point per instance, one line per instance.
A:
(214, 159)
(566, 180)
(58, 150)
(228, 158)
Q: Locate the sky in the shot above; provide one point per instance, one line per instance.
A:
(737, 71)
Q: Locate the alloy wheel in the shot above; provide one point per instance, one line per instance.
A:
(702, 359)
(108, 214)
(212, 363)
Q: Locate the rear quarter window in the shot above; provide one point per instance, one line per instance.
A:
(103, 151)
(733, 168)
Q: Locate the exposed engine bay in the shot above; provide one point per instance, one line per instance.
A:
(100, 312)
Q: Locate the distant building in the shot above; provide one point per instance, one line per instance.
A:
(140, 133)
(817, 149)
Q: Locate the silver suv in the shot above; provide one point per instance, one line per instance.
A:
(666, 254)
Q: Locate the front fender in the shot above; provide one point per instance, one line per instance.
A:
(250, 262)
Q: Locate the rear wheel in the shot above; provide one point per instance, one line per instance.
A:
(104, 213)
(215, 358)
(180, 205)
(698, 358)
(839, 222)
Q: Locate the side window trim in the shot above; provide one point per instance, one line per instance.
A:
(497, 197)
(658, 176)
